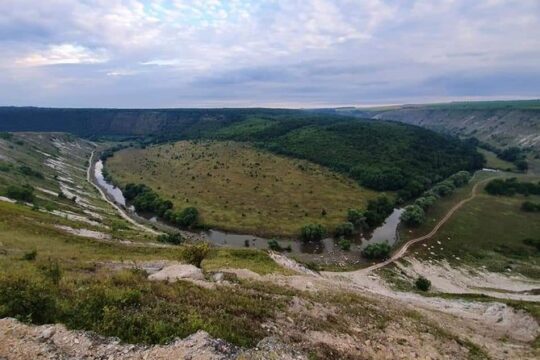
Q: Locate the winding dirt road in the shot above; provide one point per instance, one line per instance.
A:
(403, 250)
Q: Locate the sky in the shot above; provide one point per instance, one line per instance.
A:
(272, 53)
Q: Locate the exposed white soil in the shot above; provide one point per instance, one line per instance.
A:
(46, 191)
(84, 232)
(173, 273)
(3, 198)
(21, 341)
(75, 217)
(465, 279)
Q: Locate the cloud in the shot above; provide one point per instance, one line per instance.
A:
(63, 54)
(163, 53)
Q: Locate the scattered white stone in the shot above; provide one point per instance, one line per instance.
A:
(174, 273)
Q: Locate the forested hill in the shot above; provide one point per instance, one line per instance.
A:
(99, 122)
(382, 155)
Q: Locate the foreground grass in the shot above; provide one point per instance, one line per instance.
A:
(237, 187)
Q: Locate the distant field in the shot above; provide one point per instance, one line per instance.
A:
(493, 162)
(237, 187)
(489, 231)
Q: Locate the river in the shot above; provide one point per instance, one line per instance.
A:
(325, 251)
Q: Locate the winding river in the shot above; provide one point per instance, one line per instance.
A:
(325, 251)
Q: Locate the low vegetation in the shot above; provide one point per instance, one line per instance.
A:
(415, 214)
(379, 251)
(512, 186)
(238, 188)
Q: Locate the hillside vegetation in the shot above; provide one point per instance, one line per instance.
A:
(238, 187)
(381, 155)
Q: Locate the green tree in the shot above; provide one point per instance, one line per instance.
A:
(312, 232)
(413, 216)
(379, 251)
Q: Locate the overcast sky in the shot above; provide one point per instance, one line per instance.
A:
(280, 53)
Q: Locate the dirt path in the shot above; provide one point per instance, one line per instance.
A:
(403, 250)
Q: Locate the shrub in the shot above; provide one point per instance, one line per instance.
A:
(28, 171)
(530, 206)
(532, 242)
(357, 218)
(175, 239)
(345, 229)
(52, 271)
(194, 254)
(30, 256)
(21, 193)
(312, 232)
(413, 216)
(425, 202)
(422, 284)
(344, 244)
(460, 178)
(27, 299)
(273, 244)
(378, 251)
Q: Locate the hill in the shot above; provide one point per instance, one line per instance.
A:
(252, 191)
(499, 123)
(381, 155)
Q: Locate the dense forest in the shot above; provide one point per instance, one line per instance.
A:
(382, 155)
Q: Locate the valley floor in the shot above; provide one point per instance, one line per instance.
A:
(86, 266)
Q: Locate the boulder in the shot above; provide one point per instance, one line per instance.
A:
(176, 272)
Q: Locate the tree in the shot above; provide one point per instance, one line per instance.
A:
(522, 165)
(425, 202)
(422, 284)
(344, 244)
(357, 218)
(312, 232)
(345, 229)
(413, 216)
(378, 251)
(21, 193)
(194, 254)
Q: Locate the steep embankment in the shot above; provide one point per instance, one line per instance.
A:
(500, 127)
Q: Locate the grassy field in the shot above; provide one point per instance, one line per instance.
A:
(489, 231)
(493, 162)
(237, 187)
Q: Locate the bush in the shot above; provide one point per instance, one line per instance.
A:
(194, 254)
(21, 193)
(378, 251)
(30, 256)
(27, 299)
(357, 218)
(175, 239)
(413, 216)
(532, 242)
(378, 210)
(344, 244)
(345, 229)
(274, 245)
(425, 202)
(422, 284)
(510, 187)
(461, 178)
(530, 206)
(28, 171)
(312, 232)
